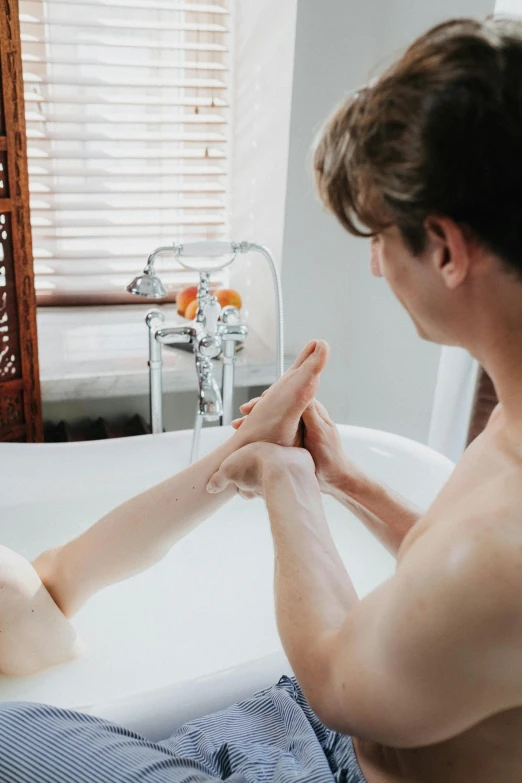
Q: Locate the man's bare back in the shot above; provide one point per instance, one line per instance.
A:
(482, 503)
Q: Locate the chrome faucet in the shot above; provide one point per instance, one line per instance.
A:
(214, 331)
(209, 338)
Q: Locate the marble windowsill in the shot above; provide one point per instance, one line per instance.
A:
(94, 352)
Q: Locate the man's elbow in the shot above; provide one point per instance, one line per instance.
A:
(324, 690)
(342, 699)
(388, 723)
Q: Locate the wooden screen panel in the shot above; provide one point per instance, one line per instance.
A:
(20, 403)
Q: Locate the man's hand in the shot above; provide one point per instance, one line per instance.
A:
(385, 513)
(277, 414)
(251, 467)
(321, 438)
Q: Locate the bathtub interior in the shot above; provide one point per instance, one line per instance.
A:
(202, 620)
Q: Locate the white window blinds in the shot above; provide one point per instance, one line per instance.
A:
(127, 126)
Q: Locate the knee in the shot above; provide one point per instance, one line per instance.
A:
(18, 580)
(35, 633)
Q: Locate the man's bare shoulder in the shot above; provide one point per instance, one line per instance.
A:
(476, 541)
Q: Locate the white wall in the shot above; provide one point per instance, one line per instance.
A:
(264, 32)
(509, 7)
(380, 374)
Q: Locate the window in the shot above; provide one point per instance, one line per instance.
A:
(127, 114)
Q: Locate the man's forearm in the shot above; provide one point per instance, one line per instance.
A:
(386, 514)
(313, 591)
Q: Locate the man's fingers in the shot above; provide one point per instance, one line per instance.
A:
(218, 482)
(236, 423)
(316, 413)
(323, 413)
(247, 406)
(310, 414)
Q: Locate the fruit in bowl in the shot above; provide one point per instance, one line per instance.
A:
(187, 300)
(228, 296)
(185, 297)
(191, 310)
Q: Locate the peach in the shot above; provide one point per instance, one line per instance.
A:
(185, 297)
(227, 296)
(191, 310)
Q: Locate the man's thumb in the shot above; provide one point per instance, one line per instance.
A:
(310, 414)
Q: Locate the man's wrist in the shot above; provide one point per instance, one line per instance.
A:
(355, 487)
(378, 499)
(292, 496)
(347, 482)
(298, 472)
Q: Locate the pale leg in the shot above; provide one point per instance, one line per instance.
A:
(34, 634)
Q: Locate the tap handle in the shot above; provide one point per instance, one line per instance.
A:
(175, 334)
(211, 315)
(230, 315)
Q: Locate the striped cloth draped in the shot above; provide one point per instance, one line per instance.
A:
(274, 737)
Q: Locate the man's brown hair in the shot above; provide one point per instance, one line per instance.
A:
(439, 133)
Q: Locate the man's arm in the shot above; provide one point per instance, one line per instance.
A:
(430, 653)
(386, 514)
(427, 655)
(313, 592)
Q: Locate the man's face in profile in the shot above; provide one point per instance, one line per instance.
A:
(413, 280)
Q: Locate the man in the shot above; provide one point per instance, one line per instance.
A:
(426, 672)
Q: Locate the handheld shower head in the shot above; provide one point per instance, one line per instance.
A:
(147, 285)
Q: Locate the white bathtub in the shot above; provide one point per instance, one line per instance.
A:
(158, 657)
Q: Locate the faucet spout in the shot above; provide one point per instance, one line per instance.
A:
(210, 404)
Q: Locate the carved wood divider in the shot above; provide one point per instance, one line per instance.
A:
(20, 402)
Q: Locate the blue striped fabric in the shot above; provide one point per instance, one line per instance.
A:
(274, 737)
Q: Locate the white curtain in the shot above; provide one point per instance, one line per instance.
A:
(453, 402)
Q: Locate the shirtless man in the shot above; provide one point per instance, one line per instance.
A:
(427, 670)
(425, 673)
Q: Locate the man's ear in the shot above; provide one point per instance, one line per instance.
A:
(449, 248)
